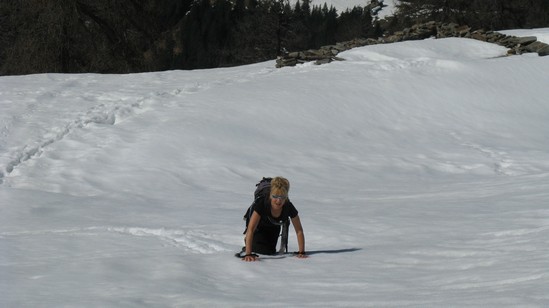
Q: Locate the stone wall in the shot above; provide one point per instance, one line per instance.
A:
(327, 54)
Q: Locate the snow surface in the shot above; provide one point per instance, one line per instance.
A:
(420, 170)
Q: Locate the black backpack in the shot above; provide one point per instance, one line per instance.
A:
(262, 190)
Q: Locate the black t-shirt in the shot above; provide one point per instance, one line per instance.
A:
(263, 208)
(268, 230)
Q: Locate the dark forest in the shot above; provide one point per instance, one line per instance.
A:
(126, 36)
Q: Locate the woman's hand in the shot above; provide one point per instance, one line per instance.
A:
(301, 255)
(250, 257)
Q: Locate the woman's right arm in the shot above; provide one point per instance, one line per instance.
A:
(252, 225)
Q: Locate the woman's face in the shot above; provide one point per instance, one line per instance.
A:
(278, 200)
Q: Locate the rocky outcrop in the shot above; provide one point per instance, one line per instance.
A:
(327, 54)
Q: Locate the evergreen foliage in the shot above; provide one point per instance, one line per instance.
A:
(127, 36)
(477, 14)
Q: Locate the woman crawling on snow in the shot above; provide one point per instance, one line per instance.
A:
(263, 230)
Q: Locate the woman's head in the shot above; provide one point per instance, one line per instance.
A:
(280, 187)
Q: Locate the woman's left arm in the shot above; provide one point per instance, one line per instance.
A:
(300, 236)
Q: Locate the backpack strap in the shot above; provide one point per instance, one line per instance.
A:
(284, 237)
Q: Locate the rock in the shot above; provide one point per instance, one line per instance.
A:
(526, 40)
(544, 51)
(534, 46)
(327, 54)
(323, 61)
(479, 36)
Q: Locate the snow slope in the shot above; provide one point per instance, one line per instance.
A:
(420, 170)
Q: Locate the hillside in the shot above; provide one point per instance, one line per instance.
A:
(420, 171)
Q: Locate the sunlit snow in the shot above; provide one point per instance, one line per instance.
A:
(420, 171)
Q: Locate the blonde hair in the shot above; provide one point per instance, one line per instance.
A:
(280, 186)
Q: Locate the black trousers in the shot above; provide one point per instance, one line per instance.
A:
(265, 240)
